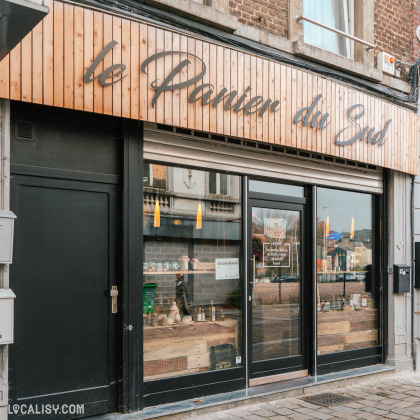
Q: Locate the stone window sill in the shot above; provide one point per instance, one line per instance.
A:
(333, 60)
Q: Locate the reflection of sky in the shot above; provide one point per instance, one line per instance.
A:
(342, 206)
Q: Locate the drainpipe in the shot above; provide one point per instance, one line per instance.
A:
(413, 275)
(413, 350)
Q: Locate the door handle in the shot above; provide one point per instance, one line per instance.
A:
(114, 301)
(252, 260)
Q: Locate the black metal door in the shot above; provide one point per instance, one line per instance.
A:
(65, 263)
(276, 288)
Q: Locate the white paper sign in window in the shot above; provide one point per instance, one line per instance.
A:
(276, 254)
(227, 268)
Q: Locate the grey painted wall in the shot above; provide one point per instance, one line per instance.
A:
(399, 252)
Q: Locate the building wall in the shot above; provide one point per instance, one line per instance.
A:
(399, 352)
(416, 23)
(4, 269)
(267, 15)
(394, 23)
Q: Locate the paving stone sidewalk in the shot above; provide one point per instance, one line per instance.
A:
(392, 398)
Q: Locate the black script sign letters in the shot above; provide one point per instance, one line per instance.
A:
(207, 95)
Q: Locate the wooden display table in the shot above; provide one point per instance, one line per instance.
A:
(180, 349)
(347, 330)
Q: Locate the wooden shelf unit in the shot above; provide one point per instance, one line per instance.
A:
(154, 273)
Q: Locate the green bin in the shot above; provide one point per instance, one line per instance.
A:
(149, 297)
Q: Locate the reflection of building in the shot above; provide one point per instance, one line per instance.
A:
(218, 195)
(199, 219)
(342, 259)
(363, 255)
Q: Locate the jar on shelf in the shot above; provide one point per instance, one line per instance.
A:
(195, 263)
(183, 261)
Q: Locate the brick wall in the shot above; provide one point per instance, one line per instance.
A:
(416, 22)
(267, 15)
(395, 22)
(203, 286)
(394, 28)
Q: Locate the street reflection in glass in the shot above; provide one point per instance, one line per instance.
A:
(192, 286)
(276, 254)
(347, 314)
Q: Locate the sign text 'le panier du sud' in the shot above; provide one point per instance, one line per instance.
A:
(230, 100)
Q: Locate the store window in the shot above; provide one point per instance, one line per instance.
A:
(346, 293)
(191, 271)
(276, 188)
(338, 14)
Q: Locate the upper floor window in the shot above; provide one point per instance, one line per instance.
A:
(218, 183)
(338, 14)
(154, 176)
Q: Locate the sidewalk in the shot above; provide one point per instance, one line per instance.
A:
(394, 398)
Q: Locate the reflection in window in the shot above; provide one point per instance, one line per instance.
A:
(347, 301)
(218, 183)
(191, 271)
(337, 14)
(276, 297)
(276, 188)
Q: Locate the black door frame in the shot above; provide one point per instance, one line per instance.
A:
(132, 248)
(293, 363)
(27, 177)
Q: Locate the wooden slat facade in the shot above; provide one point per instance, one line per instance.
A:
(48, 67)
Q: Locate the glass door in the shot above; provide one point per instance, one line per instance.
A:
(276, 342)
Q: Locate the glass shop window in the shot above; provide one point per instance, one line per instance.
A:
(191, 271)
(338, 14)
(346, 288)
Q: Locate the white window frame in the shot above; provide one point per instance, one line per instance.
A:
(218, 185)
(150, 180)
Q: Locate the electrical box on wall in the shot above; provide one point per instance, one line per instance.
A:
(7, 219)
(7, 298)
(386, 63)
(401, 278)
